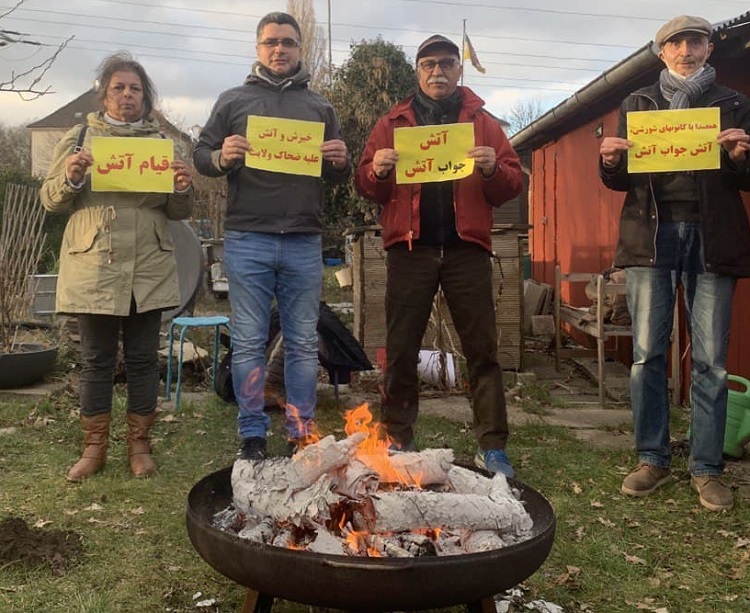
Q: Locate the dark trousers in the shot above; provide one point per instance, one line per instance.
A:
(464, 273)
(99, 342)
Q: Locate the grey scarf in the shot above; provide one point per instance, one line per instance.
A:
(260, 74)
(683, 93)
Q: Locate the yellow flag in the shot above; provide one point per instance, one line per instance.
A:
(472, 54)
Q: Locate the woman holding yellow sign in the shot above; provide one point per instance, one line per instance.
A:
(116, 177)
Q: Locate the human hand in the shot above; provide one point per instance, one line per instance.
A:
(76, 165)
(335, 152)
(736, 142)
(383, 162)
(612, 149)
(183, 175)
(233, 148)
(485, 159)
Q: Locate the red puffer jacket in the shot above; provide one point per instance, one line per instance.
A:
(473, 196)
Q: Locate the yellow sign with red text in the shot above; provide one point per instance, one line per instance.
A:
(132, 164)
(433, 153)
(290, 146)
(674, 140)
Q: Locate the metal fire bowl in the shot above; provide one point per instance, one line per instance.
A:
(363, 584)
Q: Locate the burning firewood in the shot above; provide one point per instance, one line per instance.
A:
(403, 511)
(351, 497)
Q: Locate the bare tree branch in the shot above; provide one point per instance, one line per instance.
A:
(36, 74)
(10, 10)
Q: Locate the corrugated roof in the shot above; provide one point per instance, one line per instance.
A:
(612, 86)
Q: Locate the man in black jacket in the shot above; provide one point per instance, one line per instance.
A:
(689, 229)
(272, 231)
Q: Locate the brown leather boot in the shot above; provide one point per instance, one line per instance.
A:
(139, 444)
(95, 442)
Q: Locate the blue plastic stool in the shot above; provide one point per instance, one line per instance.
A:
(215, 322)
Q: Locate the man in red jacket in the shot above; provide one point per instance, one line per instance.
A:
(437, 235)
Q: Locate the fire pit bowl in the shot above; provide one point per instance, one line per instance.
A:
(363, 584)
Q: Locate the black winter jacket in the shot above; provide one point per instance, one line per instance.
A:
(724, 221)
(260, 200)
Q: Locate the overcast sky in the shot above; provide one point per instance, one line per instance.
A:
(543, 50)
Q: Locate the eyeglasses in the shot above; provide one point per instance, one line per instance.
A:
(446, 63)
(287, 43)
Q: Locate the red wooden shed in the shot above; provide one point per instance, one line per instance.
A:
(574, 217)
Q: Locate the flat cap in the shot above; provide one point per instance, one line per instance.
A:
(437, 40)
(681, 24)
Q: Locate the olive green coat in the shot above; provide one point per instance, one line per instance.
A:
(116, 245)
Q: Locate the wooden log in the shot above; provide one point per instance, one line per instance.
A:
(402, 511)
(357, 481)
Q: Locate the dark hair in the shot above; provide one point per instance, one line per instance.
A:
(280, 18)
(124, 62)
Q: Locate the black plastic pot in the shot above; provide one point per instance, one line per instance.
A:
(26, 365)
(363, 584)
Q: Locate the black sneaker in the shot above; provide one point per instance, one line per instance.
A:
(253, 449)
(294, 445)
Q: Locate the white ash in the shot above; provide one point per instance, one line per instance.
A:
(326, 500)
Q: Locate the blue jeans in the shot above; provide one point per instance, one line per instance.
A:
(259, 267)
(708, 304)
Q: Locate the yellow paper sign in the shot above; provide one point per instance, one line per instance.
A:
(132, 164)
(290, 146)
(674, 140)
(433, 153)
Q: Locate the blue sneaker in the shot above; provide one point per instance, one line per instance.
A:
(494, 461)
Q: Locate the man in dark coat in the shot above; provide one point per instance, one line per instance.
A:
(685, 228)
(437, 235)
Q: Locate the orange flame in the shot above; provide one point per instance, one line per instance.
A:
(373, 452)
(309, 433)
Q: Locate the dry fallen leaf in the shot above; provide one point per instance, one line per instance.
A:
(577, 489)
(568, 577)
(94, 507)
(596, 504)
(605, 522)
(138, 511)
(741, 542)
(40, 523)
(634, 559)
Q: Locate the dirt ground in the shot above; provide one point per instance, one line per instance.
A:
(34, 546)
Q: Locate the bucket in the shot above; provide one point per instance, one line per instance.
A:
(429, 368)
(737, 432)
(344, 276)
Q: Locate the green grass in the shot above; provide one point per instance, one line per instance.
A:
(611, 553)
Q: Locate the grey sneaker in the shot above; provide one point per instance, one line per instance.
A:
(645, 479)
(712, 493)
